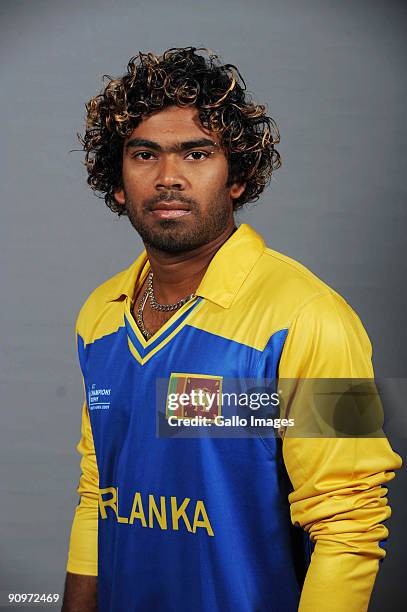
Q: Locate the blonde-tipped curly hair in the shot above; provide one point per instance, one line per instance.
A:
(182, 77)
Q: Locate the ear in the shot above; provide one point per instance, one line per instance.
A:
(236, 190)
(119, 196)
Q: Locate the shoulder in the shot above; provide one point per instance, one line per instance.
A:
(97, 316)
(293, 297)
(325, 336)
(103, 293)
(284, 288)
(316, 302)
(293, 279)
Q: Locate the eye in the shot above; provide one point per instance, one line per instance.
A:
(202, 154)
(143, 155)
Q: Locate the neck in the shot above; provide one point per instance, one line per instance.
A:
(178, 275)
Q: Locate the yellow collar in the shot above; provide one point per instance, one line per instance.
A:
(224, 276)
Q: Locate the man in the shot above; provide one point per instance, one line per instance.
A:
(210, 523)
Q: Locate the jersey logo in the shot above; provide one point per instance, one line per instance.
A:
(169, 513)
(191, 395)
(98, 398)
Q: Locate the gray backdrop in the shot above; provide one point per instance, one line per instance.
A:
(333, 76)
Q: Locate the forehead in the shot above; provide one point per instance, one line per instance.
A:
(172, 124)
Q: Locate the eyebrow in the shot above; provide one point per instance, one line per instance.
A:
(177, 148)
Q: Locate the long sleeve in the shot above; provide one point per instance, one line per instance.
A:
(82, 558)
(83, 548)
(338, 495)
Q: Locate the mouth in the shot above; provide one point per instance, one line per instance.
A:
(170, 210)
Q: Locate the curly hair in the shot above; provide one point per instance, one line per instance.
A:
(180, 77)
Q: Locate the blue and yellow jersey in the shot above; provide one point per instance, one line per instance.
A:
(214, 524)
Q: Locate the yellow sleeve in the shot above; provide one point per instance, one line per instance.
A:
(83, 548)
(338, 497)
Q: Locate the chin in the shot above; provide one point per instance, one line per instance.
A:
(172, 238)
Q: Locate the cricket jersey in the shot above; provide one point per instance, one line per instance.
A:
(219, 524)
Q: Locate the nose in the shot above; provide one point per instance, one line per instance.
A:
(170, 174)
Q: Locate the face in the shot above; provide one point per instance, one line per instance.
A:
(174, 182)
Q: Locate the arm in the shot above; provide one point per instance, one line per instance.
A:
(338, 496)
(82, 567)
(80, 593)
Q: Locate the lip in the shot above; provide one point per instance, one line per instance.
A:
(173, 205)
(170, 210)
(170, 213)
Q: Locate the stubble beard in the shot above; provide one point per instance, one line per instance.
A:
(177, 236)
